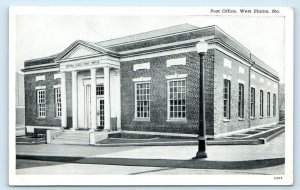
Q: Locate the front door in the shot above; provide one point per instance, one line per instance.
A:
(99, 106)
(100, 113)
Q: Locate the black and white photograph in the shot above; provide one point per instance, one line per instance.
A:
(150, 96)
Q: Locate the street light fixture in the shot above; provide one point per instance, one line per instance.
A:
(202, 47)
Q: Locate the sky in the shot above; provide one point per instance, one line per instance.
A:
(44, 35)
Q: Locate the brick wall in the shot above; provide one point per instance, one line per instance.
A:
(31, 117)
(158, 94)
(235, 123)
(266, 87)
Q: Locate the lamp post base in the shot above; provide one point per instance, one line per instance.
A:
(201, 148)
(201, 155)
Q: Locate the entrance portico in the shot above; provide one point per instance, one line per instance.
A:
(91, 68)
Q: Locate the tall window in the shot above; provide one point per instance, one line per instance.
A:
(252, 102)
(57, 94)
(226, 96)
(241, 101)
(261, 105)
(177, 99)
(268, 104)
(142, 104)
(41, 103)
(274, 105)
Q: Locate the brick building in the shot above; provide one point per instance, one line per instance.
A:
(150, 82)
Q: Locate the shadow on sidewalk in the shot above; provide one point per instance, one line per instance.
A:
(171, 163)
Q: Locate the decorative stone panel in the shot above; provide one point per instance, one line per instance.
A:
(178, 61)
(40, 77)
(141, 66)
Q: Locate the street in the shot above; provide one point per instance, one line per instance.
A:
(33, 167)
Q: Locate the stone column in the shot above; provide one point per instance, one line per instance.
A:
(106, 99)
(93, 99)
(74, 101)
(63, 100)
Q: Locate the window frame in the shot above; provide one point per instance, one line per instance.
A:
(39, 115)
(136, 103)
(261, 103)
(169, 118)
(100, 89)
(268, 104)
(228, 108)
(241, 108)
(274, 105)
(57, 107)
(252, 102)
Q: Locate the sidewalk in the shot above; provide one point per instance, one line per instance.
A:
(219, 156)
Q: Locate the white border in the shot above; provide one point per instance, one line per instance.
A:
(14, 179)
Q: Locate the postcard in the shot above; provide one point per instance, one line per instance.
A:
(150, 96)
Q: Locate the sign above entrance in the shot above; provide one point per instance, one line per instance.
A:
(83, 64)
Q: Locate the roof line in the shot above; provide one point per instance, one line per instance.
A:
(145, 32)
(250, 52)
(161, 36)
(87, 44)
(41, 58)
(232, 38)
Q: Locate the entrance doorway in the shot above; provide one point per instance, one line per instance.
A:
(99, 106)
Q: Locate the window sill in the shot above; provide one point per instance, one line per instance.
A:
(241, 119)
(261, 117)
(177, 120)
(141, 119)
(57, 118)
(253, 118)
(226, 120)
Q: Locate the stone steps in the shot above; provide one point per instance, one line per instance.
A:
(72, 137)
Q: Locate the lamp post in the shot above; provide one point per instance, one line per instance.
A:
(202, 47)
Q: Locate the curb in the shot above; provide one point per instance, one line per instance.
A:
(245, 141)
(270, 132)
(269, 138)
(172, 163)
(183, 143)
(30, 143)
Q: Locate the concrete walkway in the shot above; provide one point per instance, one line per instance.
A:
(219, 156)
